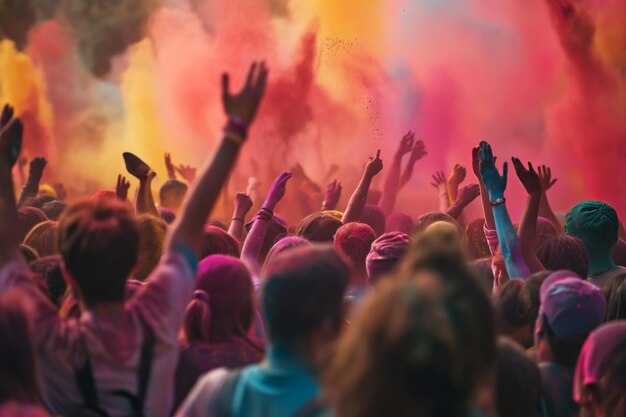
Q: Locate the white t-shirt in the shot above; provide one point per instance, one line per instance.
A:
(161, 302)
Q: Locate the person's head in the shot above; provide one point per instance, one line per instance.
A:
(103, 195)
(615, 293)
(410, 349)
(531, 296)
(167, 215)
(374, 217)
(319, 227)
(596, 224)
(545, 229)
(477, 245)
(277, 230)
(152, 232)
(510, 312)
(39, 200)
(43, 238)
(223, 302)
(99, 242)
(27, 218)
(399, 222)
(600, 376)
(564, 252)
(171, 194)
(570, 309)
(53, 209)
(482, 268)
(385, 254)
(282, 245)
(28, 253)
(355, 241)
(50, 269)
(302, 298)
(216, 241)
(518, 381)
(427, 219)
(618, 253)
(498, 268)
(18, 381)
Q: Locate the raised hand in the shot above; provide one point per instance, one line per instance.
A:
(11, 132)
(419, 151)
(528, 177)
(494, 182)
(171, 171)
(36, 167)
(457, 176)
(406, 144)
(277, 191)
(439, 180)
(121, 188)
(242, 107)
(374, 165)
(332, 195)
(545, 177)
(187, 172)
(468, 193)
(243, 204)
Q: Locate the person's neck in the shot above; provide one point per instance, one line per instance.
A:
(600, 263)
(280, 355)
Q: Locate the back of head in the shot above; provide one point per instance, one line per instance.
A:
(152, 231)
(374, 217)
(319, 227)
(618, 253)
(427, 219)
(39, 200)
(545, 230)
(406, 350)
(482, 269)
(50, 269)
(476, 241)
(564, 252)
(304, 287)
(53, 209)
(28, 253)
(222, 305)
(615, 293)
(355, 241)
(29, 217)
(518, 381)
(216, 241)
(385, 254)
(282, 245)
(400, 222)
(171, 194)
(44, 238)
(17, 357)
(595, 223)
(99, 242)
(510, 313)
(531, 295)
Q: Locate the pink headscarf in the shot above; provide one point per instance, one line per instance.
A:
(595, 357)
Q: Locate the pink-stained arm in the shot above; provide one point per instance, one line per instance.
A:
(31, 187)
(359, 197)
(145, 199)
(419, 151)
(332, 195)
(243, 204)
(390, 190)
(463, 199)
(545, 176)
(441, 185)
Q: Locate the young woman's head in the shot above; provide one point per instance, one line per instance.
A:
(564, 252)
(44, 238)
(216, 241)
(615, 293)
(319, 227)
(355, 240)
(223, 302)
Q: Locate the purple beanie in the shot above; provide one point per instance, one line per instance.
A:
(385, 252)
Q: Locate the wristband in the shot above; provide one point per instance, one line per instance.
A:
(238, 126)
(234, 219)
(233, 137)
(498, 202)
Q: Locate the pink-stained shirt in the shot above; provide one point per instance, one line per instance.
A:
(161, 302)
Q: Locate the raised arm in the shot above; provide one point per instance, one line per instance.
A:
(528, 225)
(243, 204)
(495, 185)
(332, 195)
(359, 197)
(392, 182)
(419, 151)
(456, 178)
(142, 171)
(545, 176)
(240, 109)
(441, 185)
(121, 188)
(10, 145)
(31, 188)
(484, 195)
(464, 197)
(254, 241)
(169, 166)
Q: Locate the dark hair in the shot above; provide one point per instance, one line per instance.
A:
(615, 293)
(50, 269)
(427, 219)
(216, 241)
(304, 287)
(27, 218)
(99, 242)
(399, 222)
(564, 252)
(53, 209)
(608, 393)
(518, 381)
(374, 217)
(171, 194)
(319, 227)
(18, 381)
(510, 310)
(39, 200)
(564, 352)
(476, 241)
(355, 241)
(618, 253)
(531, 296)
(482, 268)
(152, 232)
(28, 253)
(286, 243)
(44, 238)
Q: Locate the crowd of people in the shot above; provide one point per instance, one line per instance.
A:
(112, 308)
